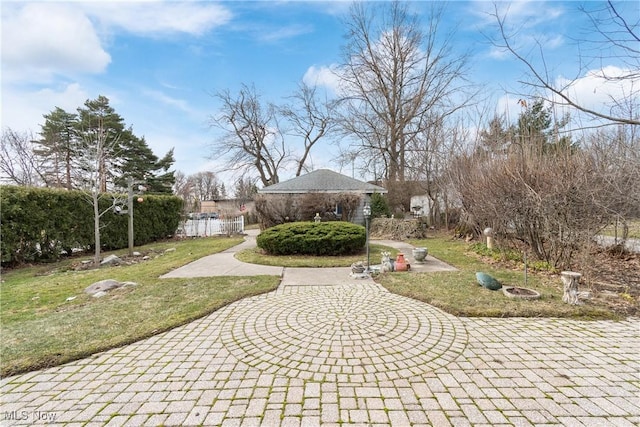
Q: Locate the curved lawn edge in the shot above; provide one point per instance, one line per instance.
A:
(256, 256)
(82, 349)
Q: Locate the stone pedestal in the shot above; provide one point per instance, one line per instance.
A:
(570, 279)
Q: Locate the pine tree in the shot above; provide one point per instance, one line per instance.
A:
(102, 131)
(58, 147)
(538, 129)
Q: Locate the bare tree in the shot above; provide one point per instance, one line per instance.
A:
(610, 36)
(18, 163)
(183, 187)
(395, 78)
(252, 139)
(309, 119)
(99, 144)
(205, 185)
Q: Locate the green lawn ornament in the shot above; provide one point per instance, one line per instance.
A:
(487, 281)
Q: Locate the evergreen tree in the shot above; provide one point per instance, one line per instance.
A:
(58, 147)
(245, 189)
(539, 131)
(495, 139)
(161, 179)
(379, 206)
(102, 132)
(124, 154)
(138, 161)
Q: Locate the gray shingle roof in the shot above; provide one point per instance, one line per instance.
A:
(322, 181)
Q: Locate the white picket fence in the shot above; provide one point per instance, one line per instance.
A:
(211, 227)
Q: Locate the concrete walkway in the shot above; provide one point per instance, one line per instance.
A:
(325, 349)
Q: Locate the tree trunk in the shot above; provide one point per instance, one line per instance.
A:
(96, 225)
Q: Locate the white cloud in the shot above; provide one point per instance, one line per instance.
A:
(23, 110)
(510, 107)
(43, 39)
(499, 53)
(283, 33)
(591, 91)
(157, 18)
(527, 25)
(519, 14)
(165, 99)
(601, 89)
(323, 76)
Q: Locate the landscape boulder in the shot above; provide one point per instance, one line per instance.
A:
(111, 260)
(100, 289)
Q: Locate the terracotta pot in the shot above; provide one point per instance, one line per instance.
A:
(401, 264)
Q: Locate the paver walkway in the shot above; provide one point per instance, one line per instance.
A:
(317, 353)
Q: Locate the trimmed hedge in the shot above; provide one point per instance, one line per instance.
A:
(43, 224)
(313, 238)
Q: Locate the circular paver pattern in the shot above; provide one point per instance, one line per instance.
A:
(358, 330)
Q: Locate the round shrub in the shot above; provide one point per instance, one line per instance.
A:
(313, 238)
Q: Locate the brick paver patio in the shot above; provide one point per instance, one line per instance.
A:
(346, 354)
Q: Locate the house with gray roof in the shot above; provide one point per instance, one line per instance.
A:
(326, 181)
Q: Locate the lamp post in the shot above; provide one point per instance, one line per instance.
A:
(130, 195)
(366, 211)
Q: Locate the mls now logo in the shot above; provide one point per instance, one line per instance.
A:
(16, 415)
(34, 416)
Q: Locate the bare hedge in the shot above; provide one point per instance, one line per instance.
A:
(553, 203)
(274, 209)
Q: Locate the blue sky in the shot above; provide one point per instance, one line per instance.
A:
(160, 62)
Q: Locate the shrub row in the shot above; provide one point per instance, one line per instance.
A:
(41, 224)
(311, 238)
(274, 209)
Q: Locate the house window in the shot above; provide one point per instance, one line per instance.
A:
(338, 210)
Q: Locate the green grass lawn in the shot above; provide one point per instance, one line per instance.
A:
(634, 229)
(46, 318)
(41, 328)
(255, 256)
(459, 293)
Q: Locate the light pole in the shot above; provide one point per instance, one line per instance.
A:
(130, 195)
(366, 211)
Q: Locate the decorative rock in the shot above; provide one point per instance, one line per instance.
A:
(170, 250)
(136, 253)
(100, 289)
(102, 286)
(111, 260)
(359, 275)
(146, 257)
(357, 268)
(487, 281)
